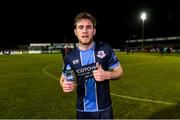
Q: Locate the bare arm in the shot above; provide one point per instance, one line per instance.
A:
(116, 73)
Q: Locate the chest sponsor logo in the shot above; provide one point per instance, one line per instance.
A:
(86, 71)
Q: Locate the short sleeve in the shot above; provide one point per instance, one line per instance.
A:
(113, 61)
(64, 65)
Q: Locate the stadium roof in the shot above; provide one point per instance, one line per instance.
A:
(154, 39)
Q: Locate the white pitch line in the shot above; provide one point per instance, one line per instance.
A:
(116, 95)
(144, 100)
(48, 74)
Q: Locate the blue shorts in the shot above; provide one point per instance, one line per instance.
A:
(106, 114)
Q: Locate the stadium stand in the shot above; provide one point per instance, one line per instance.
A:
(155, 44)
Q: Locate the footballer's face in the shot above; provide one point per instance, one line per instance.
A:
(85, 31)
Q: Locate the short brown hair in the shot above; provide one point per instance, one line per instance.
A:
(85, 15)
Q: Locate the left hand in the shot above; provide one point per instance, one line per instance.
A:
(100, 74)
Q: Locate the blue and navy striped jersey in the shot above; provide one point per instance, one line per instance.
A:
(92, 96)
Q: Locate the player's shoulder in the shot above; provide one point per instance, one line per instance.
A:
(72, 52)
(100, 44)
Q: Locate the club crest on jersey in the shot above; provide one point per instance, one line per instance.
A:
(75, 61)
(101, 54)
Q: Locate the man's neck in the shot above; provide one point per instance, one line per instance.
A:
(85, 47)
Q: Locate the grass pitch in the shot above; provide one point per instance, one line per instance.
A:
(29, 87)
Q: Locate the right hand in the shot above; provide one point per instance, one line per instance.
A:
(68, 86)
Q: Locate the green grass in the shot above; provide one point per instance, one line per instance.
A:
(29, 87)
(148, 76)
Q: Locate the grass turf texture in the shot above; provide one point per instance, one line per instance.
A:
(29, 87)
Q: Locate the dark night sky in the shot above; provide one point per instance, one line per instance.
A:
(25, 22)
